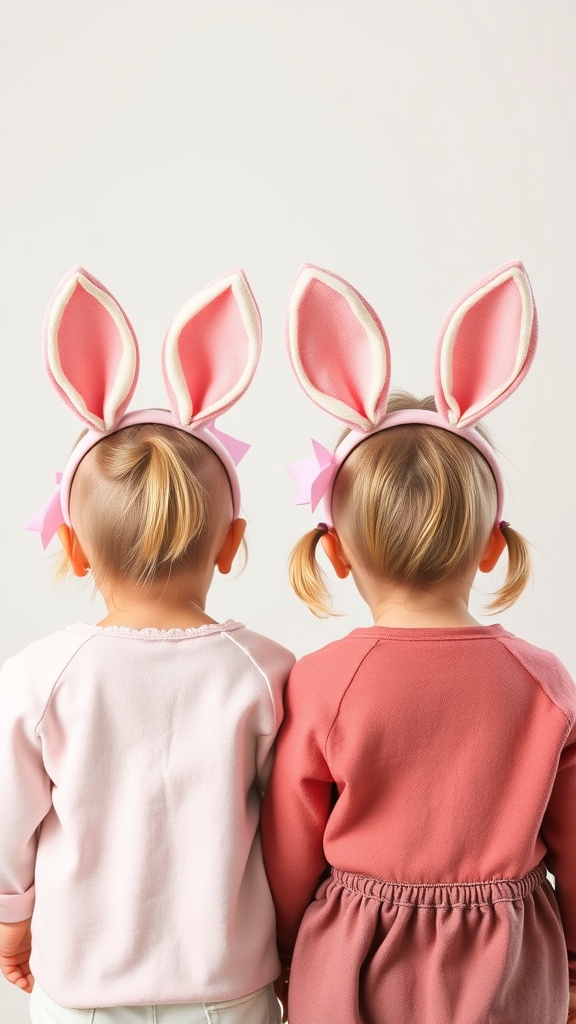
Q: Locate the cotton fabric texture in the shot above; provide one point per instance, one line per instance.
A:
(132, 765)
(259, 1007)
(424, 780)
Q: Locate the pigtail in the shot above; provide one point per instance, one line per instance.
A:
(519, 570)
(307, 578)
(62, 566)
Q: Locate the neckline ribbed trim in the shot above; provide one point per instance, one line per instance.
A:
(150, 633)
(432, 633)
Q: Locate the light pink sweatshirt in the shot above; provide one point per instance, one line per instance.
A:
(131, 770)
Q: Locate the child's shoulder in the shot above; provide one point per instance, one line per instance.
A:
(269, 660)
(319, 680)
(264, 653)
(32, 672)
(339, 659)
(46, 651)
(355, 644)
(546, 669)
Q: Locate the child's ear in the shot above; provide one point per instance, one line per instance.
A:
(229, 549)
(493, 550)
(73, 548)
(333, 548)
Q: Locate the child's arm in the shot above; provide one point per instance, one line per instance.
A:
(15, 946)
(25, 799)
(559, 834)
(296, 808)
(275, 666)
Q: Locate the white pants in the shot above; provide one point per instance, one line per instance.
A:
(259, 1007)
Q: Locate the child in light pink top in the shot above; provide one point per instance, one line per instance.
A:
(134, 754)
(425, 775)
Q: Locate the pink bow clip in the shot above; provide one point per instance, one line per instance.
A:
(236, 449)
(49, 517)
(314, 475)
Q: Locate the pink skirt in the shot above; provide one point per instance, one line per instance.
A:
(374, 952)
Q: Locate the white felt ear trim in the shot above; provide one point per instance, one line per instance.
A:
(451, 334)
(341, 410)
(128, 363)
(173, 366)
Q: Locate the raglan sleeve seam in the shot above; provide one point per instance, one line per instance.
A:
(263, 675)
(54, 686)
(569, 723)
(343, 694)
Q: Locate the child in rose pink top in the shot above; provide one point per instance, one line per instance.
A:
(425, 774)
(134, 754)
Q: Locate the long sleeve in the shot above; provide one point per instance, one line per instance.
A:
(559, 833)
(273, 664)
(296, 807)
(278, 665)
(141, 754)
(25, 795)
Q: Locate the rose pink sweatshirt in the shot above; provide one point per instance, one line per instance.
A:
(132, 765)
(425, 756)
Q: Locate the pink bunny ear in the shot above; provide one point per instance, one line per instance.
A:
(338, 348)
(211, 350)
(90, 350)
(486, 345)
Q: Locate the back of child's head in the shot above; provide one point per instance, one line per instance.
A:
(148, 491)
(414, 489)
(415, 505)
(148, 501)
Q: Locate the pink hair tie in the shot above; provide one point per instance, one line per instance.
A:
(341, 358)
(503, 524)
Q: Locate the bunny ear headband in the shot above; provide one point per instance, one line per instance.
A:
(91, 356)
(340, 355)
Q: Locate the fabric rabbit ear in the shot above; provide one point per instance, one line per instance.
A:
(90, 350)
(486, 345)
(211, 350)
(338, 348)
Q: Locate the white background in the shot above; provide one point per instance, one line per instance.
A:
(410, 147)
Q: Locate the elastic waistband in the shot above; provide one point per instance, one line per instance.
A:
(455, 894)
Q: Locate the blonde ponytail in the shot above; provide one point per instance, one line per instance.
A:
(518, 573)
(166, 497)
(149, 500)
(307, 578)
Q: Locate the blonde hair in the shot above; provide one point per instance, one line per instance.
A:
(416, 504)
(148, 500)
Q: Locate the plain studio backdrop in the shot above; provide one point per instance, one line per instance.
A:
(409, 147)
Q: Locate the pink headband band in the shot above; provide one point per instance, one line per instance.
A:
(340, 355)
(91, 355)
